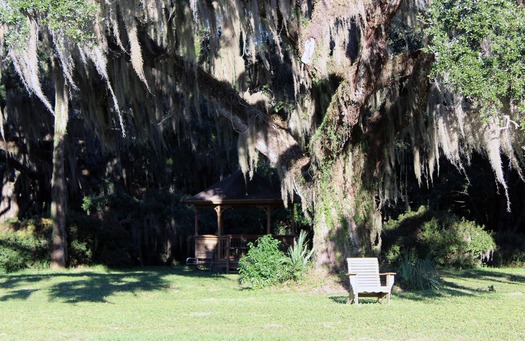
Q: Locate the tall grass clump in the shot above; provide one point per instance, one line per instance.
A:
(418, 274)
(298, 259)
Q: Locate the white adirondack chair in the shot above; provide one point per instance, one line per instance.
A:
(365, 280)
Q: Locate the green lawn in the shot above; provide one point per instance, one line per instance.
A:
(174, 303)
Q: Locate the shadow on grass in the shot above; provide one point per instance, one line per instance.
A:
(362, 301)
(339, 299)
(451, 288)
(494, 275)
(93, 286)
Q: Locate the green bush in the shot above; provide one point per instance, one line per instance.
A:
(393, 254)
(264, 264)
(400, 235)
(455, 242)
(83, 237)
(25, 244)
(518, 259)
(441, 237)
(80, 253)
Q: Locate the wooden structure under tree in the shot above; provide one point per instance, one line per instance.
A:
(222, 251)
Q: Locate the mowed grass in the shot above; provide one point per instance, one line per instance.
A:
(182, 304)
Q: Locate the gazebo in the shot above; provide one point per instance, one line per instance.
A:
(222, 250)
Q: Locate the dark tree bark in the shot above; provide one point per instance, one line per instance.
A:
(58, 182)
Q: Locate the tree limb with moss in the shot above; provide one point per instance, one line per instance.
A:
(49, 31)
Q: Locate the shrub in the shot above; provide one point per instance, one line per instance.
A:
(442, 237)
(25, 244)
(264, 264)
(518, 259)
(400, 235)
(454, 242)
(82, 238)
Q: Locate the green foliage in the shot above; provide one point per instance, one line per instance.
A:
(298, 257)
(264, 264)
(455, 242)
(518, 259)
(418, 274)
(101, 201)
(442, 237)
(83, 239)
(72, 18)
(392, 254)
(479, 48)
(25, 244)
(80, 253)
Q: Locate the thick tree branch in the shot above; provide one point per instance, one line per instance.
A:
(414, 68)
(399, 67)
(10, 153)
(272, 139)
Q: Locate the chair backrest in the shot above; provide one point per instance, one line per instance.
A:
(367, 270)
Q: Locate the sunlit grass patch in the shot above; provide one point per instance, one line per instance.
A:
(183, 304)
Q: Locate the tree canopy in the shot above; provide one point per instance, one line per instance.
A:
(338, 96)
(479, 47)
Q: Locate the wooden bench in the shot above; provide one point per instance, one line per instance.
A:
(365, 280)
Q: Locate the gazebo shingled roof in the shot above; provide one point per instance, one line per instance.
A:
(237, 190)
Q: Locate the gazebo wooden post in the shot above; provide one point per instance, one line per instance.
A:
(219, 210)
(196, 221)
(268, 211)
(234, 191)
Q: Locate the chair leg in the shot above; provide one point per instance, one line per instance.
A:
(382, 296)
(351, 298)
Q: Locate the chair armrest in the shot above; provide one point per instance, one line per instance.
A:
(389, 278)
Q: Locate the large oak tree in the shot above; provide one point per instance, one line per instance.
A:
(326, 90)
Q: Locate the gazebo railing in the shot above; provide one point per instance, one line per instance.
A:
(224, 252)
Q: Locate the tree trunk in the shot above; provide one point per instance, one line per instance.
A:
(58, 182)
(8, 204)
(348, 220)
(348, 148)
